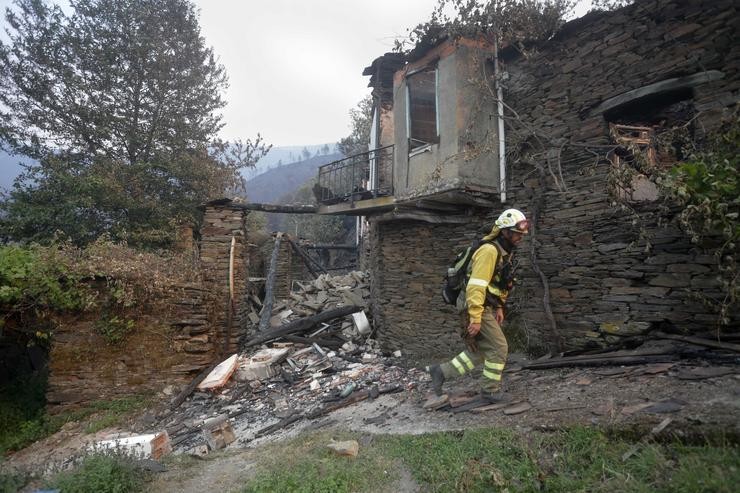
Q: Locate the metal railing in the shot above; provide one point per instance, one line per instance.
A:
(359, 177)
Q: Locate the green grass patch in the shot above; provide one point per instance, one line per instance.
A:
(578, 460)
(112, 413)
(10, 482)
(101, 474)
(305, 465)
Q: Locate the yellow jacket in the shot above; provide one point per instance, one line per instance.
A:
(483, 269)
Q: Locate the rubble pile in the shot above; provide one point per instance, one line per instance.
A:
(310, 298)
(331, 365)
(275, 387)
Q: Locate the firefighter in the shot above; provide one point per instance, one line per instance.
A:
(488, 286)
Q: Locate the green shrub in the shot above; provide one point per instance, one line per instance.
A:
(11, 482)
(707, 188)
(101, 474)
(30, 280)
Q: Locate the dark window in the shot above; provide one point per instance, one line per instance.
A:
(422, 108)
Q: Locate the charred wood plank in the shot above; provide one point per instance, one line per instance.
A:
(352, 399)
(180, 398)
(334, 344)
(699, 341)
(270, 286)
(302, 324)
(601, 361)
(310, 263)
(279, 425)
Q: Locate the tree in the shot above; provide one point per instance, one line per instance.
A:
(305, 153)
(118, 103)
(361, 118)
(325, 150)
(514, 21)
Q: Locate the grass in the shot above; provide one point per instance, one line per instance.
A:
(23, 419)
(305, 465)
(101, 474)
(10, 482)
(577, 460)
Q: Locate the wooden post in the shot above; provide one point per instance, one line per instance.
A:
(230, 301)
(270, 286)
(306, 259)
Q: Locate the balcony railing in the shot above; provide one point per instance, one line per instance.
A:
(359, 177)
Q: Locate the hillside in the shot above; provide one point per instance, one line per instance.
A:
(9, 169)
(286, 154)
(277, 182)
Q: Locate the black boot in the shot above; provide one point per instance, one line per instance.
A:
(493, 397)
(438, 378)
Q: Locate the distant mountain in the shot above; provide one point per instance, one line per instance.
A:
(9, 169)
(275, 160)
(280, 156)
(268, 187)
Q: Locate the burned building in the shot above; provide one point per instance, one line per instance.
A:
(462, 131)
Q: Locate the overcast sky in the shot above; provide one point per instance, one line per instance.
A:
(295, 66)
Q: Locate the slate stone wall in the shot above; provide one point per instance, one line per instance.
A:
(164, 346)
(408, 260)
(182, 331)
(602, 278)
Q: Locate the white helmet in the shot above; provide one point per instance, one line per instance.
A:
(514, 220)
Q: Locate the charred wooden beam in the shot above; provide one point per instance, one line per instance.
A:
(253, 206)
(699, 341)
(310, 263)
(603, 361)
(330, 247)
(180, 398)
(269, 286)
(302, 324)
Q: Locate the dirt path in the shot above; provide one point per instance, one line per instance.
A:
(636, 397)
(559, 398)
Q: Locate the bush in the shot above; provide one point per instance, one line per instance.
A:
(707, 188)
(101, 474)
(11, 482)
(30, 280)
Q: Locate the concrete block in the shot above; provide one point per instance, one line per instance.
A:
(261, 365)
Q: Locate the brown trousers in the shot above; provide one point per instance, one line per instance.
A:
(489, 347)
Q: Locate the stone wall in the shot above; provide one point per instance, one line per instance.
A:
(602, 278)
(181, 330)
(221, 224)
(163, 347)
(407, 262)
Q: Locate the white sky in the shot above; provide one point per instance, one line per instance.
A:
(295, 66)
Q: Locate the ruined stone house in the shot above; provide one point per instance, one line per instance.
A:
(443, 164)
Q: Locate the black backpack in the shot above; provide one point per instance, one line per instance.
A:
(456, 277)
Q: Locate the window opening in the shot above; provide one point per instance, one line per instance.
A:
(650, 134)
(422, 109)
